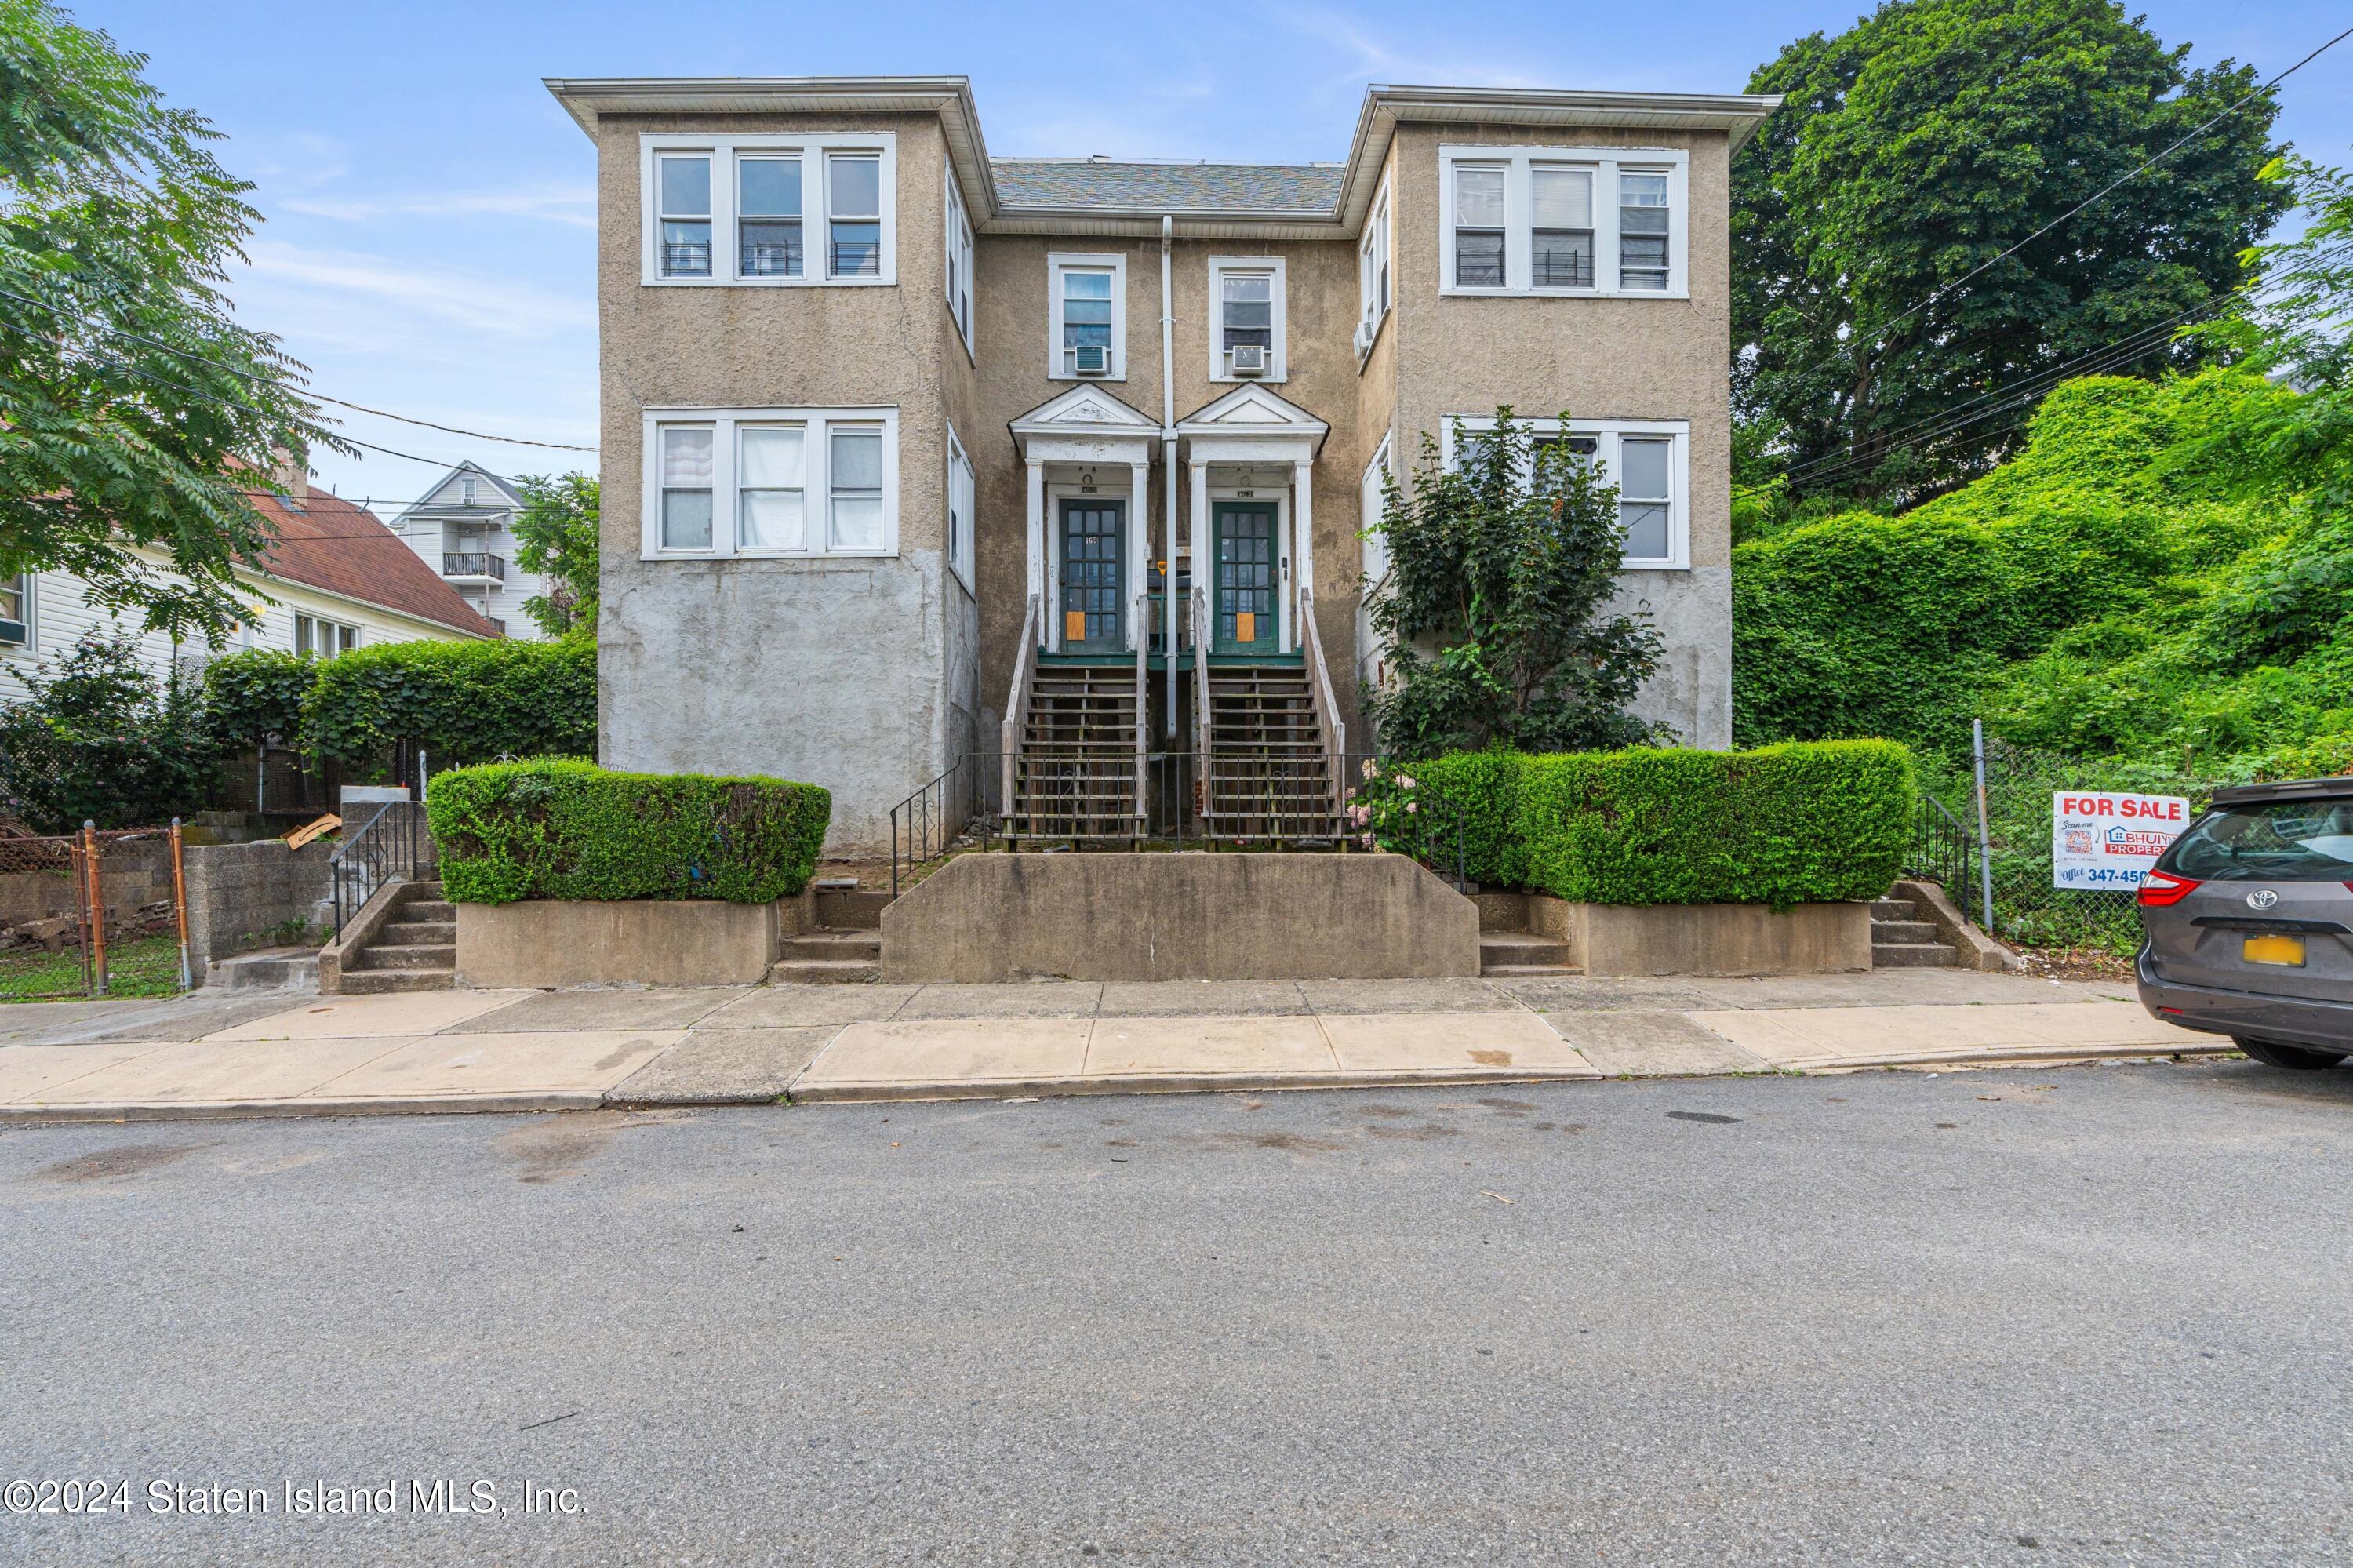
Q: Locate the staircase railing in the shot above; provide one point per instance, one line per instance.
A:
(1329, 730)
(385, 847)
(1142, 625)
(1201, 727)
(1017, 707)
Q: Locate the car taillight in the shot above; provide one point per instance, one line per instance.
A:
(2160, 889)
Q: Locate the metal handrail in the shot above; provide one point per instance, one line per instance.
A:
(385, 847)
(472, 564)
(1017, 704)
(924, 823)
(1941, 848)
(1328, 727)
(1140, 631)
(1202, 729)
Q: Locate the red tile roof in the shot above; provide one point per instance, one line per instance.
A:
(334, 544)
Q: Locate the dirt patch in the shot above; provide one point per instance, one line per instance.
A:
(135, 1159)
(1285, 1142)
(1421, 1134)
(1492, 1058)
(556, 1147)
(2075, 964)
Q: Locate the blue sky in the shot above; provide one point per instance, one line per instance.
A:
(428, 247)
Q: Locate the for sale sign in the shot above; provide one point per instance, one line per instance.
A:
(2111, 839)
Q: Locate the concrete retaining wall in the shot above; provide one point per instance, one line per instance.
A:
(684, 941)
(1705, 938)
(236, 892)
(1179, 916)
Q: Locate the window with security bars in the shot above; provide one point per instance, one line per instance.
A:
(685, 183)
(768, 216)
(1642, 231)
(1561, 230)
(854, 210)
(1478, 225)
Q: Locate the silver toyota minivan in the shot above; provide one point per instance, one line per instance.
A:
(2247, 921)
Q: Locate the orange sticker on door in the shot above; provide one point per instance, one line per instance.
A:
(1074, 626)
(1246, 626)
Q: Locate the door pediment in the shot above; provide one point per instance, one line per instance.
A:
(1254, 413)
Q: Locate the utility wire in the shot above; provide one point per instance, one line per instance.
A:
(314, 397)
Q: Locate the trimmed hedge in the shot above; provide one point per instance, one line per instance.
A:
(463, 702)
(1807, 821)
(560, 829)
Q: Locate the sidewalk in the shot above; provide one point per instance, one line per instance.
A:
(507, 1050)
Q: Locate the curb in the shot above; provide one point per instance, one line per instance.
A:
(2007, 1055)
(854, 1092)
(224, 1110)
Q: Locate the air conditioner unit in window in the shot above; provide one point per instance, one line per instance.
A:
(1248, 358)
(1364, 338)
(1091, 359)
(12, 634)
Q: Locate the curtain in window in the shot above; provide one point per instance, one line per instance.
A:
(686, 475)
(769, 514)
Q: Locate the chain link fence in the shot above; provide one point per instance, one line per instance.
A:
(2028, 910)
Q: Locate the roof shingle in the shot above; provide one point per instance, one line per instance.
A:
(334, 544)
(1306, 189)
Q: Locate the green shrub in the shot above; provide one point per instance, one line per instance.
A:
(462, 701)
(259, 693)
(101, 738)
(1803, 822)
(560, 829)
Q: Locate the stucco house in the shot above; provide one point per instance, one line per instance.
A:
(462, 528)
(333, 580)
(1056, 468)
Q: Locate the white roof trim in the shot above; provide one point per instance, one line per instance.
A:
(1089, 410)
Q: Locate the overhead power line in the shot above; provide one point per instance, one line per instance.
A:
(113, 331)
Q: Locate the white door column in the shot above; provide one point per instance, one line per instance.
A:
(1197, 542)
(1037, 563)
(1139, 543)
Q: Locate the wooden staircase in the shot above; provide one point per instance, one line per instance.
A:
(1075, 776)
(1270, 775)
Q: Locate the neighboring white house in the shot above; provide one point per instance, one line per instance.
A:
(463, 529)
(336, 579)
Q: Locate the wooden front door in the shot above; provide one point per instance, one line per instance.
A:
(1094, 578)
(1246, 567)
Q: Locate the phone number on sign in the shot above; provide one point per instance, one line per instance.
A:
(2101, 876)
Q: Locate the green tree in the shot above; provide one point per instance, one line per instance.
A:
(101, 740)
(1501, 569)
(555, 535)
(133, 402)
(1918, 145)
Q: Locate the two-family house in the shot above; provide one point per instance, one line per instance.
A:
(1057, 469)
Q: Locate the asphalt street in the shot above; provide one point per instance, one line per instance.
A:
(2042, 1315)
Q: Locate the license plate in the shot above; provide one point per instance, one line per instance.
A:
(2287, 950)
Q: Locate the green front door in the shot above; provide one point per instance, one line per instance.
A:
(1095, 554)
(1246, 567)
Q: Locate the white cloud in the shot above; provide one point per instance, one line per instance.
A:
(353, 296)
(572, 205)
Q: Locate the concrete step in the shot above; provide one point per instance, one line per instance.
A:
(851, 909)
(824, 971)
(1489, 971)
(1888, 933)
(376, 983)
(826, 944)
(1913, 956)
(418, 909)
(416, 933)
(272, 970)
(1893, 909)
(432, 955)
(1519, 950)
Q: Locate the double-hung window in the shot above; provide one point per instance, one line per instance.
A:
(769, 209)
(853, 186)
(770, 483)
(1479, 225)
(1560, 231)
(961, 496)
(1373, 499)
(1648, 460)
(1373, 270)
(768, 215)
(16, 611)
(959, 260)
(1564, 220)
(1087, 296)
(685, 185)
(1247, 295)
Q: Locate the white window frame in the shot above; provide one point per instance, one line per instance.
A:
(1370, 492)
(816, 480)
(963, 492)
(25, 596)
(1607, 432)
(1518, 208)
(1376, 268)
(332, 631)
(1059, 262)
(816, 205)
(957, 280)
(1278, 366)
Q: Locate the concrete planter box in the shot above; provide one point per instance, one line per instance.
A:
(681, 942)
(1178, 916)
(1705, 938)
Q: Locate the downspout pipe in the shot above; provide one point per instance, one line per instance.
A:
(1169, 612)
